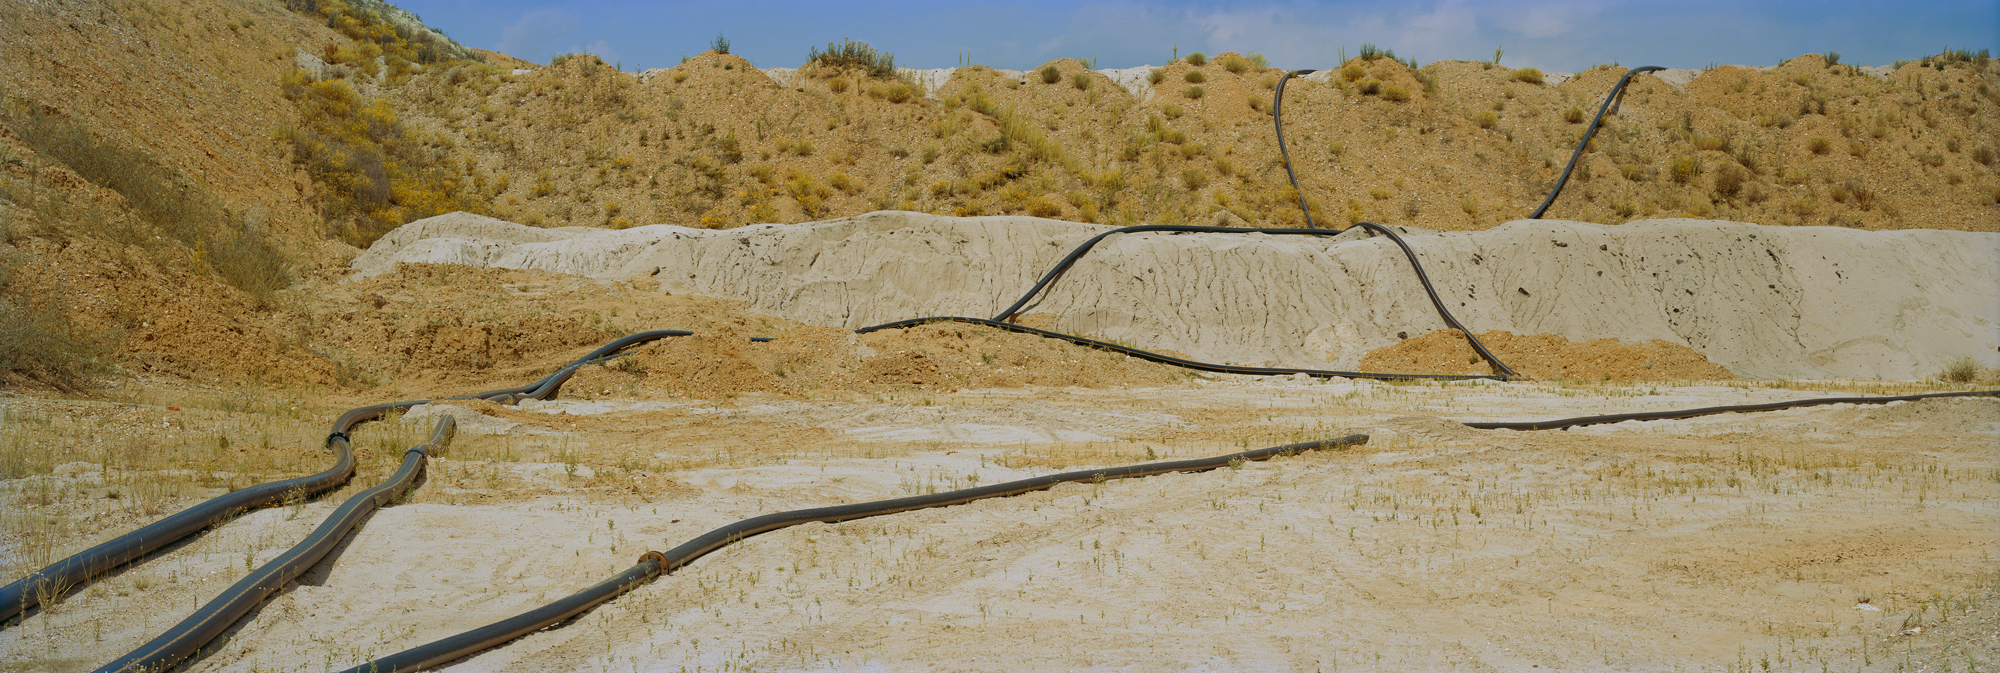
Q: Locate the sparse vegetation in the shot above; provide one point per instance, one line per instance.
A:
(1197, 59)
(376, 174)
(1684, 169)
(1818, 145)
(1527, 75)
(848, 55)
(1050, 75)
(232, 243)
(40, 342)
(1573, 115)
(1194, 77)
(1194, 92)
(1962, 370)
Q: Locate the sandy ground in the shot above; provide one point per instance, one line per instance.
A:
(1832, 538)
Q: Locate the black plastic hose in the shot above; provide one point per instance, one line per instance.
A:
(1278, 120)
(654, 564)
(65, 575)
(1708, 411)
(186, 638)
(1437, 302)
(1168, 359)
(1587, 133)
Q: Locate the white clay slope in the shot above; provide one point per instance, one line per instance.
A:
(1766, 302)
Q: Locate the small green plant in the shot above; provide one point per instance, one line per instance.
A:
(1081, 81)
(1050, 75)
(1194, 92)
(1486, 120)
(1684, 169)
(1194, 77)
(1395, 93)
(1197, 59)
(852, 54)
(1235, 65)
(837, 85)
(1832, 58)
(1527, 75)
(1818, 145)
(1962, 370)
(1194, 179)
(1156, 76)
(1573, 115)
(1353, 72)
(1729, 182)
(720, 44)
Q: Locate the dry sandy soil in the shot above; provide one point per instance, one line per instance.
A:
(1850, 538)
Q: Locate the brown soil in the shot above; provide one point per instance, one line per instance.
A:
(1547, 356)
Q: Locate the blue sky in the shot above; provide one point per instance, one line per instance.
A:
(1555, 35)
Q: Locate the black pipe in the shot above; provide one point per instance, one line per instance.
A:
(1708, 411)
(1587, 133)
(186, 638)
(62, 576)
(1168, 359)
(654, 564)
(1278, 120)
(1069, 260)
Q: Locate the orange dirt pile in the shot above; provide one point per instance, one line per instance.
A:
(1547, 356)
(805, 361)
(441, 329)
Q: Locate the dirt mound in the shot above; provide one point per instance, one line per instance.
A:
(807, 361)
(1975, 414)
(1546, 356)
(1779, 302)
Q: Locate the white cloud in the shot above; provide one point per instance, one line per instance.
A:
(536, 35)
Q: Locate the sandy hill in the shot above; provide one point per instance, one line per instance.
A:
(169, 168)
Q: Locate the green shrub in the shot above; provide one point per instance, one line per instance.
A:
(1729, 182)
(1194, 179)
(1527, 75)
(1684, 169)
(1486, 120)
(1194, 77)
(1818, 145)
(396, 43)
(1050, 75)
(1573, 115)
(1194, 92)
(1197, 59)
(1156, 76)
(374, 173)
(1235, 65)
(1962, 370)
(1081, 81)
(1396, 93)
(852, 54)
(720, 44)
